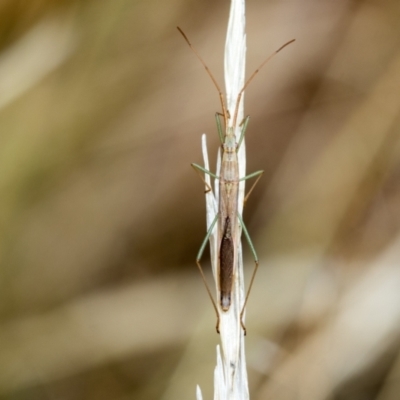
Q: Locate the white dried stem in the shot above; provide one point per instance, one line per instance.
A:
(230, 377)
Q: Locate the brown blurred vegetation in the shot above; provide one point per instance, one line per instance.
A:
(102, 106)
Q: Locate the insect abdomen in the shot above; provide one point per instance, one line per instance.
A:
(226, 255)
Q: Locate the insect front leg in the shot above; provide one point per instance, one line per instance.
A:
(219, 126)
(198, 258)
(244, 123)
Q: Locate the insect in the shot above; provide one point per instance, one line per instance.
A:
(230, 222)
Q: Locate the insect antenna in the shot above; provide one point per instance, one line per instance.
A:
(253, 75)
(221, 96)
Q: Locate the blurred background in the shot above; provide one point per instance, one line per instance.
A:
(102, 107)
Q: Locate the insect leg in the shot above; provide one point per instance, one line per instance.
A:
(199, 168)
(198, 258)
(246, 233)
(245, 122)
(219, 126)
(259, 174)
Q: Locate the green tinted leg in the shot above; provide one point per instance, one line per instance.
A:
(219, 127)
(244, 123)
(246, 233)
(199, 255)
(259, 174)
(198, 169)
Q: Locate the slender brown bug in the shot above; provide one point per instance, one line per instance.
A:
(228, 217)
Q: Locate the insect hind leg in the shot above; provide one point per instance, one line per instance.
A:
(246, 234)
(198, 258)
